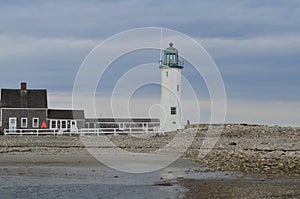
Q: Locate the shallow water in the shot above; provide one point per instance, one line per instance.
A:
(87, 191)
(60, 181)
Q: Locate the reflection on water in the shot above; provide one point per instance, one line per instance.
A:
(90, 182)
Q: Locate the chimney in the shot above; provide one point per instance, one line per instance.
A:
(23, 86)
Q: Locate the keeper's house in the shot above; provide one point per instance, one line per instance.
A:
(28, 109)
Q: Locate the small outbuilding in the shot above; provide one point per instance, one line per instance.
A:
(65, 119)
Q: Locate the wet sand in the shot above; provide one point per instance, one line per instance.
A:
(75, 174)
(243, 187)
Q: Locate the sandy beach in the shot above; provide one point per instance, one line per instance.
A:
(245, 158)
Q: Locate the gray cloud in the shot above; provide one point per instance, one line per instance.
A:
(258, 68)
(96, 19)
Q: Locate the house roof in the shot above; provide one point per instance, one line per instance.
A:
(29, 98)
(65, 114)
(117, 120)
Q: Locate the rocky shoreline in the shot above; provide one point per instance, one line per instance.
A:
(252, 149)
(245, 148)
(270, 155)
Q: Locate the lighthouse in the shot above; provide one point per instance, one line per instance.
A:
(170, 67)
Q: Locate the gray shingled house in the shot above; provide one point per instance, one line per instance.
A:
(28, 109)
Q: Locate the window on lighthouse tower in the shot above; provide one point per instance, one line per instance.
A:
(173, 110)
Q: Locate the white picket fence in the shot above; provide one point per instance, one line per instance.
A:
(82, 131)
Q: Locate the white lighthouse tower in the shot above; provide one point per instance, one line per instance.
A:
(170, 118)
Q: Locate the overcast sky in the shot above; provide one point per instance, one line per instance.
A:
(254, 43)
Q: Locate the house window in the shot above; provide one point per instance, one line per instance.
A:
(35, 122)
(92, 125)
(23, 122)
(53, 124)
(177, 87)
(167, 74)
(122, 126)
(63, 124)
(173, 110)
